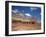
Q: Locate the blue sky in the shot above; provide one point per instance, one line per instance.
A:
(34, 11)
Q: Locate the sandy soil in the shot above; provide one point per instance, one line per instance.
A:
(25, 26)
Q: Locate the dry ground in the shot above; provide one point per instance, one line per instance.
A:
(25, 26)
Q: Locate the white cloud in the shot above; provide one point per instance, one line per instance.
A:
(33, 9)
(27, 14)
(15, 11)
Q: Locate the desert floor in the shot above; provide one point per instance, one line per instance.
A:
(16, 26)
